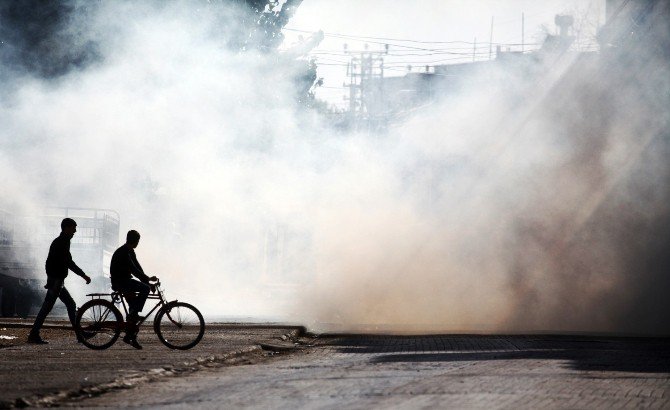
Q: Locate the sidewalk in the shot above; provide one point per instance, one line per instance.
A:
(44, 374)
(426, 372)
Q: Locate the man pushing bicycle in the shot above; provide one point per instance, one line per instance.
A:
(123, 267)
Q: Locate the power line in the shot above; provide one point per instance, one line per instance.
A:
(387, 40)
(380, 38)
(392, 54)
(436, 50)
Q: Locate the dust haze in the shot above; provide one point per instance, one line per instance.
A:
(535, 202)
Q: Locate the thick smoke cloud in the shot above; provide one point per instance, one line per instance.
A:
(46, 38)
(171, 128)
(536, 201)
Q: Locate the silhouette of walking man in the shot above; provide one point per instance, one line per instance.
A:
(58, 262)
(123, 267)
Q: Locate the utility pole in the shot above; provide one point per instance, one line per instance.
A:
(366, 89)
(523, 37)
(491, 39)
(474, 50)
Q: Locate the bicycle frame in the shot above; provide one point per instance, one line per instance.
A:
(118, 296)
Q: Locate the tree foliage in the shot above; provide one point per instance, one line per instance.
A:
(50, 38)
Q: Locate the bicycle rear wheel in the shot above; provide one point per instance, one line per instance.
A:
(179, 325)
(98, 324)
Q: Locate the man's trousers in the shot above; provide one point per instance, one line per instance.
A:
(55, 290)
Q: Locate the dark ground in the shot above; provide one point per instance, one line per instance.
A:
(440, 371)
(230, 370)
(63, 370)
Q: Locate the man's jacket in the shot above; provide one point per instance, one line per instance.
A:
(60, 259)
(124, 265)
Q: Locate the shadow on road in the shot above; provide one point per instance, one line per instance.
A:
(640, 355)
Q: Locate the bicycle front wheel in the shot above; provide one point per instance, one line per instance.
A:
(98, 324)
(179, 325)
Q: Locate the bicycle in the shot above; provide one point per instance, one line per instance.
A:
(99, 322)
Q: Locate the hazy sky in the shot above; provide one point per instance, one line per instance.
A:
(431, 21)
(541, 196)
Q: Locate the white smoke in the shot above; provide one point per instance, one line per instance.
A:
(478, 214)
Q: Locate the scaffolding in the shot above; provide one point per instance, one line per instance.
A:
(24, 245)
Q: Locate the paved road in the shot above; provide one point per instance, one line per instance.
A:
(429, 371)
(45, 375)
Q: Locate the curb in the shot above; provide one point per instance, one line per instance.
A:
(288, 342)
(128, 382)
(295, 330)
(28, 326)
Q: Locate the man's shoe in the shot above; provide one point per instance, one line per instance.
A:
(132, 341)
(36, 339)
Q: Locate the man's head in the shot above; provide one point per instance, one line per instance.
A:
(68, 226)
(133, 238)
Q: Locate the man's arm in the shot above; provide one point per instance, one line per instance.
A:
(136, 269)
(76, 269)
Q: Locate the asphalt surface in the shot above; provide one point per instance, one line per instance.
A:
(229, 369)
(63, 370)
(443, 371)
